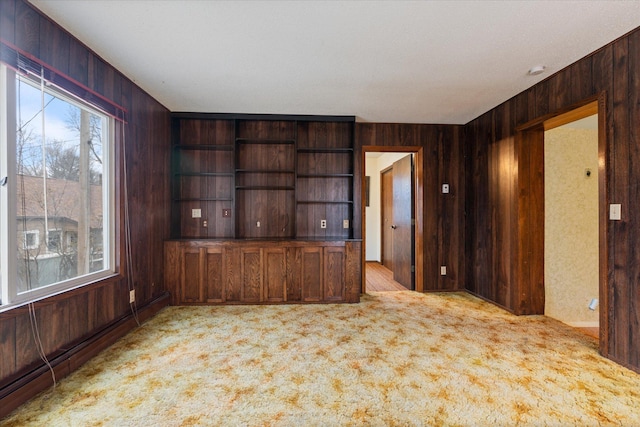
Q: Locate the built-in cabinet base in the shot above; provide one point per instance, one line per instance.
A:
(262, 272)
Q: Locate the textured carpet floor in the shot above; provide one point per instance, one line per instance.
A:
(397, 358)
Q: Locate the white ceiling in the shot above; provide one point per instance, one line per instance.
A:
(382, 61)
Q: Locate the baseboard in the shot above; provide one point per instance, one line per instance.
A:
(32, 383)
(594, 324)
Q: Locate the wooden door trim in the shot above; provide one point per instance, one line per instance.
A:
(593, 105)
(418, 153)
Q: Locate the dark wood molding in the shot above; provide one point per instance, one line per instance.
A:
(243, 116)
(33, 382)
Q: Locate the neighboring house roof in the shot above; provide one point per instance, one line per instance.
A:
(62, 199)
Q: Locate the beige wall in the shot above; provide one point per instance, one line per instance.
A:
(571, 225)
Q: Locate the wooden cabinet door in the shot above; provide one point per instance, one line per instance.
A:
(312, 273)
(275, 274)
(334, 273)
(201, 277)
(191, 276)
(251, 274)
(213, 274)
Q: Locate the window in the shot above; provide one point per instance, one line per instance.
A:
(31, 239)
(54, 241)
(56, 230)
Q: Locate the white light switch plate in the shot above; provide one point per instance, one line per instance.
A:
(196, 213)
(615, 212)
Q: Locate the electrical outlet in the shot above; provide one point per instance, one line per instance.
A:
(345, 223)
(258, 224)
(445, 188)
(323, 223)
(226, 213)
(443, 270)
(132, 296)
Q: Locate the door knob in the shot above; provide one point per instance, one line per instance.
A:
(394, 226)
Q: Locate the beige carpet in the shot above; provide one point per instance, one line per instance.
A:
(397, 358)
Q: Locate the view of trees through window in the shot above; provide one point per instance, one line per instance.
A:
(60, 168)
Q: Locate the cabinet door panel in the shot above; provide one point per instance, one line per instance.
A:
(312, 274)
(214, 290)
(275, 274)
(232, 274)
(251, 272)
(294, 274)
(334, 273)
(191, 277)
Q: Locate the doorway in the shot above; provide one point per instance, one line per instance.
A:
(530, 146)
(392, 218)
(571, 248)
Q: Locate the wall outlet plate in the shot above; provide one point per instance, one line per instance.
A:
(345, 223)
(226, 213)
(615, 212)
(196, 213)
(132, 296)
(323, 223)
(443, 270)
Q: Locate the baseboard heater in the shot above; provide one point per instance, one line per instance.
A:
(33, 382)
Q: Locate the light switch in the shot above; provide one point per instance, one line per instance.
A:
(196, 213)
(615, 212)
(443, 270)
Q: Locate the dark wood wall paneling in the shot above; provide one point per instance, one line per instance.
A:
(494, 159)
(443, 213)
(73, 317)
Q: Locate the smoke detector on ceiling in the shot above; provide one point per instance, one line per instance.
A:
(538, 69)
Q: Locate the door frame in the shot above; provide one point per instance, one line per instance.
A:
(530, 139)
(418, 236)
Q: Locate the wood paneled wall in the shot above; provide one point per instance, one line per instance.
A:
(494, 157)
(73, 317)
(443, 214)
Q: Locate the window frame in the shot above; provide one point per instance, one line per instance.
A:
(9, 296)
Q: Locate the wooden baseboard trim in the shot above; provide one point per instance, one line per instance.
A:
(32, 383)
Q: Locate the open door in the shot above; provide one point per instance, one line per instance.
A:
(386, 210)
(397, 225)
(402, 221)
